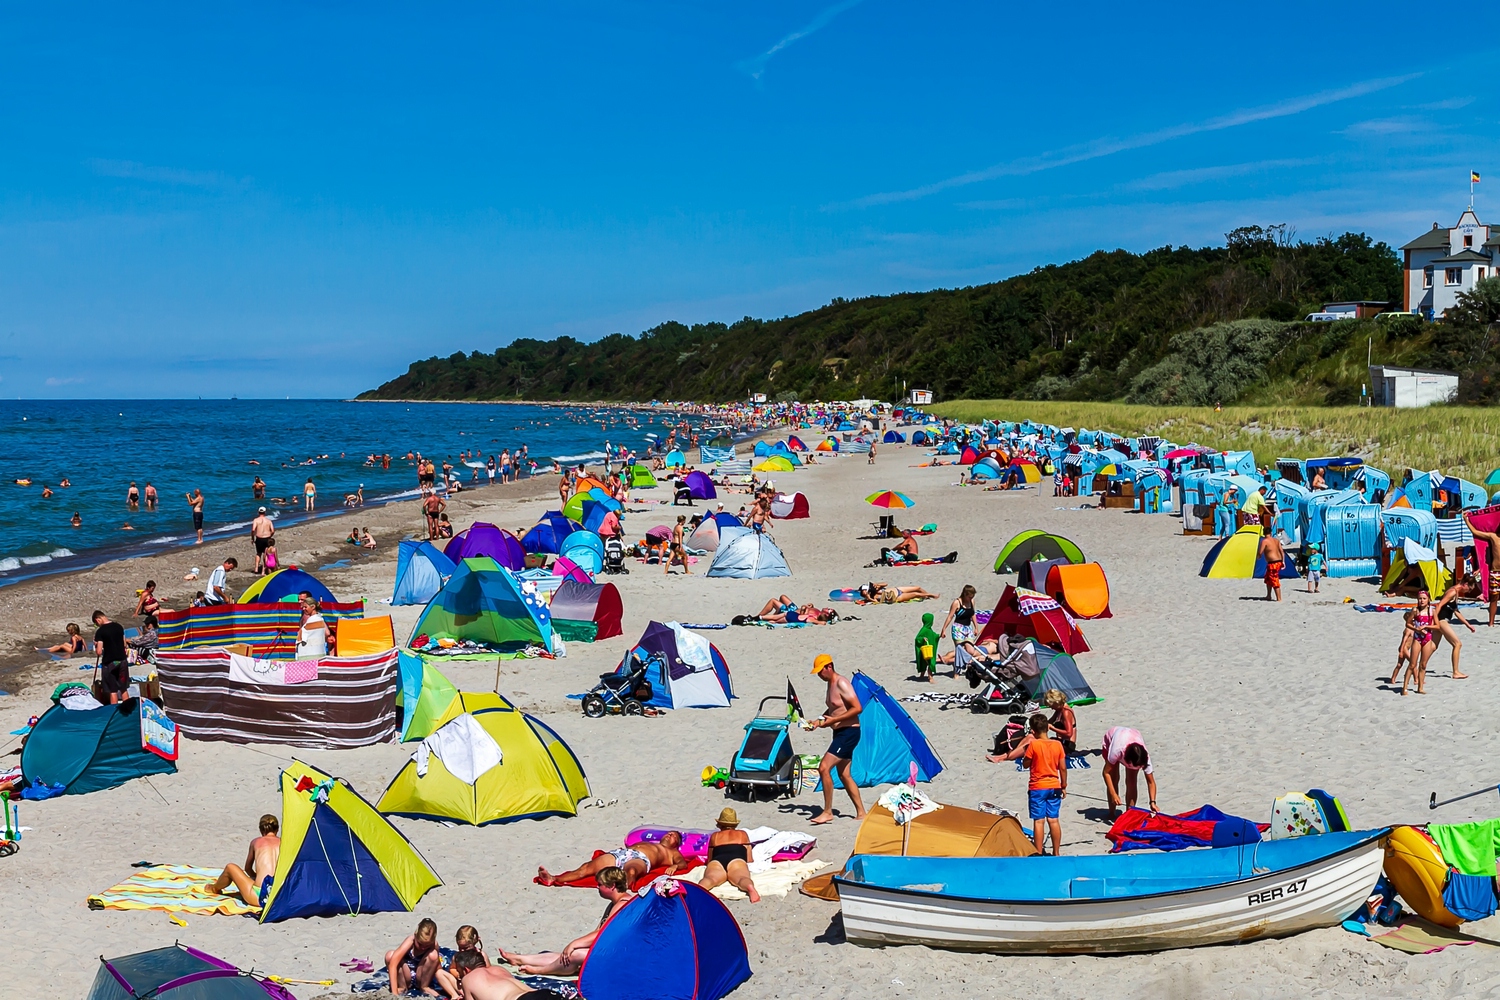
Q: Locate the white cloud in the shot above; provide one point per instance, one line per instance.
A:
(756, 67)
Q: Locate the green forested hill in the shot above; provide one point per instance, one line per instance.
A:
(1089, 329)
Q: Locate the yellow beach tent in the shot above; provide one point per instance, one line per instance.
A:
(487, 762)
(775, 464)
(1234, 557)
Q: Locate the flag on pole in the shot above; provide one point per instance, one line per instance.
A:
(1473, 177)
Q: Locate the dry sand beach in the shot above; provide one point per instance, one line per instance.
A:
(1238, 699)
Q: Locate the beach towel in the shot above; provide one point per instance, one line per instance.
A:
(589, 882)
(951, 557)
(717, 625)
(174, 888)
(1140, 829)
(1469, 897)
(1469, 847)
(1421, 938)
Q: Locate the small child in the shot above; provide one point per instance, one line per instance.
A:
(415, 960)
(1314, 568)
(872, 453)
(1048, 763)
(466, 942)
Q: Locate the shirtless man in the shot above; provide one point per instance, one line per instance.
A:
(634, 861)
(1492, 553)
(195, 500)
(477, 981)
(907, 547)
(843, 718)
(614, 886)
(433, 505)
(262, 533)
(254, 880)
(1271, 551)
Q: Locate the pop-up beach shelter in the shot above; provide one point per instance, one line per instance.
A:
(744, 554)
(700, 487)
(1082, 589)
(686, 670)
(889, 740)
(586, 612)
(776, 463)
(484, 539)
(178, 972)
(675, 459)
(794, 443)
(674, 941)
(706, 535)
(1236, 557)
(421, 570)
(762, 449)
(285, 585)
(547, 535)
(586, 549)
(485, 763)
(484, 602)
(425, 696)
(1409, 553)
(1034, 543)
(893, 437)
(89, 750)
(641, 478)
(338, 854)
(1052, 668)
(1037, 616)
(789, 508)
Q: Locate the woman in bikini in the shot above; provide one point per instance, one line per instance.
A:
(72, 645)
(146, 603)
(1447, 609)
(1064, 724)
(960, 626)
(729, 856)
(884, 593)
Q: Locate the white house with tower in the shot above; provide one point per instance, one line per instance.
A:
(1442, 263)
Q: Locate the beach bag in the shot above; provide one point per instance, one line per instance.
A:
(1011, 736)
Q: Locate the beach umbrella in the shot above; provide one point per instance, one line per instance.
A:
(1493, 479)
(1176, 453)
(890, 499)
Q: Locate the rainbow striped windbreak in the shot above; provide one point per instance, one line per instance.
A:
(270, 630)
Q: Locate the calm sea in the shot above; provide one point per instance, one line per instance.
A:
(177, 445)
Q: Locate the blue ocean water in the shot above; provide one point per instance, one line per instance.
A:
(179, 445)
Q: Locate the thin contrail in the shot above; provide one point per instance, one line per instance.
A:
(1106, 146)
(757, 66)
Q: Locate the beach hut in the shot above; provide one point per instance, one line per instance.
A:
(789, 508)
(685, 669)
(700, 487)
(486, 762)
(889, 741)
(1402, 523)
(586, 612)
(483, 602)
(585, 549)
(547, 535)
(744, 554)
(1033, 543)
(1037, 616)
(178, 972)
(484, 539)
(339, 855)
(640, 478)
(421, 570)
(675, 941)
(90, 750)
(285, 585)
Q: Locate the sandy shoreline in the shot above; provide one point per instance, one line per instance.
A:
(1239, 701)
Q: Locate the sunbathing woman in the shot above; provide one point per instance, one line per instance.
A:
(614, 885)
(729, 856)
(72, 645)
(884, 593)
(778, 605)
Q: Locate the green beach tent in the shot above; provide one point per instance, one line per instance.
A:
(640, 479)
(338, 855)
(486, 762)
(1034, 543)
(424, 696)
(483, 601)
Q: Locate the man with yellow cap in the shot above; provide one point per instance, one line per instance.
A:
(843, 718)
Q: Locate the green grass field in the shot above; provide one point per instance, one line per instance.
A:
(1458, 440)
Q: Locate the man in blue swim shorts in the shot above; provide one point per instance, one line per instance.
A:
(254, 880)
(843, 718)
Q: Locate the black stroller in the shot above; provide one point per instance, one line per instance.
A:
(614, 555)
(623, 694)
(1002, 684)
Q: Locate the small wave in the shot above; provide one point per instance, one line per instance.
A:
(6, 565)
(60, 553)
(165, 539)
(591, 456)
(35, 560)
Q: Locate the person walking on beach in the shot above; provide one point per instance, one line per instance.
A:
(262, 534)
(1047, 761)
(309, 495)
(1314, 568)
(195, 500)
(678, 552)
(872, 453)
(842, 717)
(1275, 557)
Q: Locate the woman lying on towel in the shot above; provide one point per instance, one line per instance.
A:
(884, 593)
(783, 611)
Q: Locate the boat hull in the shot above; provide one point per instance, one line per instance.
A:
(1320, 893)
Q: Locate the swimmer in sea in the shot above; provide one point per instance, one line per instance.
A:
(77, 521)
(46, 492)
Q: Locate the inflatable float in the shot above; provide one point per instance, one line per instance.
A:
(1416, 868)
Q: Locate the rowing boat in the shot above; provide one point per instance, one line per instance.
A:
(1111, 903)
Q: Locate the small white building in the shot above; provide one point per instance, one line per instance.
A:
(1442, 263)
(920, 397)
(1411, 386)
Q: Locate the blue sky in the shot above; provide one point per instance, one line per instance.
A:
(300, 199)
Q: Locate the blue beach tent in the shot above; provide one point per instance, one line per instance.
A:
(421, 571)
(688, 671)
(586, 549)
(484, 602)
(889, 740)
(88, 751)
(547, 535)
(744, 554)
(893, 437)
(676, 943)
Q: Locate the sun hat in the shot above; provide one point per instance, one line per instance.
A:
(728, 817)
(821, 662)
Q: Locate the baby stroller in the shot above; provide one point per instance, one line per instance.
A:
(623, 694)
(614, 555)
(1001, 684)
(765, 759)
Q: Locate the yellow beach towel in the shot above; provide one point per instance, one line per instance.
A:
(174, 888)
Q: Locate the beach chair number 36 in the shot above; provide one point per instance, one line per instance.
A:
(1267, 895)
